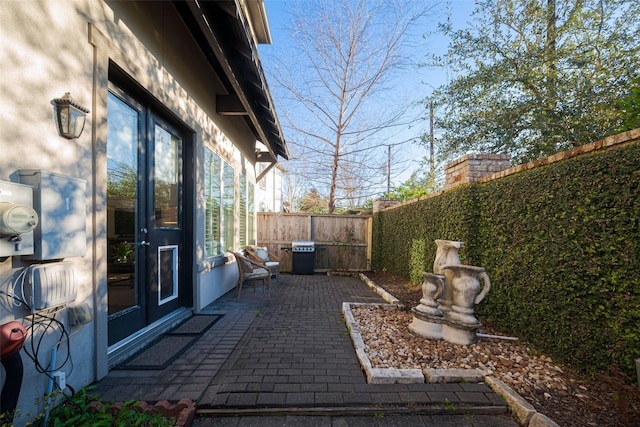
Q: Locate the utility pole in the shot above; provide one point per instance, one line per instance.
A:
(388, 168)
(432, 162)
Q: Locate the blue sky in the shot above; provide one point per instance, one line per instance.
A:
(417, 83)
(278, 15)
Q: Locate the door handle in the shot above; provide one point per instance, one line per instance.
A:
(144, 243)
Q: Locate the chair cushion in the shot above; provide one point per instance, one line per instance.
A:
(257, 273)
(271, 264)
(262, 253)
(246, 266)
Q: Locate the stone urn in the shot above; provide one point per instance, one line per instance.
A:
(446, 254)
(427, 318)
(432, 288)
(466, 291)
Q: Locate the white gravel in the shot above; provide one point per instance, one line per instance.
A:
(390, 344)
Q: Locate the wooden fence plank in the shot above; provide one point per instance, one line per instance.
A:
(343, 242)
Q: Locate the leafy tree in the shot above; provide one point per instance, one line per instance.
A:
(416, 186)
(534, 77)
(343, 56)
(122, 181)
(630, 105)
(312, 202)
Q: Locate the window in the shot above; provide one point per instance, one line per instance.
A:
(212, 194)
(220, 194)
(263, 181)
(167, 178)
(251, 214)
(228, 205)
(242, 214)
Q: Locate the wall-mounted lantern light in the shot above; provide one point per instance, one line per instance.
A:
(70, 116)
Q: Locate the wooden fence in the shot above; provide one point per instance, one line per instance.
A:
(342, 242)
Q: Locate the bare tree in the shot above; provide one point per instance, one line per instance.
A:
(334, 82)
(292, 189)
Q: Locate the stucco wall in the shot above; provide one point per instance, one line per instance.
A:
(44, 51)
(49, 48)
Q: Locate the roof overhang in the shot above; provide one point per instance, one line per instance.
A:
(257, 15)
(224, 36)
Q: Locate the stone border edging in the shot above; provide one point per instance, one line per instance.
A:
(384, 294)
(376, 375)
(523, 412)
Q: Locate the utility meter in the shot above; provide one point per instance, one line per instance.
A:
(16, 219)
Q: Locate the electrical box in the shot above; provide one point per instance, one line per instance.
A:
(60, 378)
(60, 202)
(17, 219)
(50, 285)
(80, 314)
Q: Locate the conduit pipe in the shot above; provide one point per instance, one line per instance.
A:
(500, 337)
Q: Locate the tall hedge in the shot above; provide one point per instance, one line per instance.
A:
(561, 244)
(403, 237)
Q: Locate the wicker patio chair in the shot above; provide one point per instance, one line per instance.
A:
(264, 257)
(253, 271)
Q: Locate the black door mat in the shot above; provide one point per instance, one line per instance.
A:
(161, 353)
(197, 324)
(168, 347)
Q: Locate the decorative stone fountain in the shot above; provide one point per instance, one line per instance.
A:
(448, 296)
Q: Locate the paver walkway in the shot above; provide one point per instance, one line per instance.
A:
(291, 358)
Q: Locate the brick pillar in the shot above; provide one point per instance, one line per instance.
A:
(470, 168)
(384, 203)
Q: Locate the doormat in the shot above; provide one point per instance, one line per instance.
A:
(168, 347)
(160, 354)
(197, 324)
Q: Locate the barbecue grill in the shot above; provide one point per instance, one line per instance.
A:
(303, 257)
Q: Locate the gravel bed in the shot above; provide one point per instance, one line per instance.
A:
(390, 344)
(564, 396)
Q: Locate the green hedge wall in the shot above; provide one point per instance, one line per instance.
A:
(404, 236)
(561, 244)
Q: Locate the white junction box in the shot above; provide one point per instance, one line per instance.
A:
(50, 285)
(60, 202)
(61, 379)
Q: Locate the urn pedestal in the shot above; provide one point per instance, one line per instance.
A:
(427, 325)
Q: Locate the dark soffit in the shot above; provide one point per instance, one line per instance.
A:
(222, 35)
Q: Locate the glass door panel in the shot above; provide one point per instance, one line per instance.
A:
(167, 178)
(166, 235)
(122, 196)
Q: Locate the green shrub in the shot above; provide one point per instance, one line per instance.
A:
(83, 409)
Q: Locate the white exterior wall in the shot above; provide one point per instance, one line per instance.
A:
(49, 48)
(269, 191)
